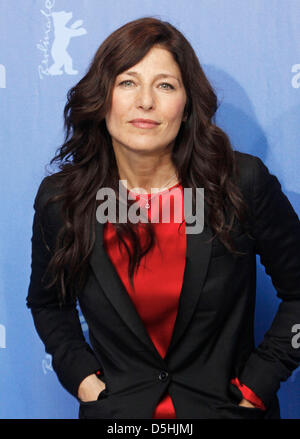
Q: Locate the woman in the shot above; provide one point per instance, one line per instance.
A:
(170, 312)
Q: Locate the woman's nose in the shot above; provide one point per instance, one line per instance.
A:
(145, 98)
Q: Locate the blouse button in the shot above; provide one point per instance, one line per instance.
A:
(163, 376)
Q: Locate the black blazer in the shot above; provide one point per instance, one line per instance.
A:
(213, 338)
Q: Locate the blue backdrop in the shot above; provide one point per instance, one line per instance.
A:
(249, 51)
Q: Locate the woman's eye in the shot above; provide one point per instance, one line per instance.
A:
(166, 86)
(126, 83)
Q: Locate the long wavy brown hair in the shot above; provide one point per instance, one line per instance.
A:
(202, 154)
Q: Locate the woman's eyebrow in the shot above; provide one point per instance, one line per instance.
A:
(158, 76)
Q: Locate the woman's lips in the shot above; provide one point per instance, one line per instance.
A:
(144, 123)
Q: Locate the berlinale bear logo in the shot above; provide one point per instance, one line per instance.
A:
(62, 36)
(56, 40)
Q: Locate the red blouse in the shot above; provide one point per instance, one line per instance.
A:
(158, 282)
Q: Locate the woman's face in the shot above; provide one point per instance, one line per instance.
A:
(148, 103)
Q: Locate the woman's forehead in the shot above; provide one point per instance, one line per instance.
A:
(158, 61)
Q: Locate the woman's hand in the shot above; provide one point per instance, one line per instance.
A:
(245, 403)
(90, 388)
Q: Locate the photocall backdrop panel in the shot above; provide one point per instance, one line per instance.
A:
(250, 53)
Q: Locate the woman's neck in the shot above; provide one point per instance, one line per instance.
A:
(146, 174)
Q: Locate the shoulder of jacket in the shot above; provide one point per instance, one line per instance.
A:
(49, 187)
(252, 167)
(248, 166)
(245, 161)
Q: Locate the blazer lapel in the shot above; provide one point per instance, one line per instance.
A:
(197, 260)
(115, 291)
(198, 252)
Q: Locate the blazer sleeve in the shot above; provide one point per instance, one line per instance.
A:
(58, 326)
(276, 228)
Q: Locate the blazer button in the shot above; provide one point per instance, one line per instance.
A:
(163, 376)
